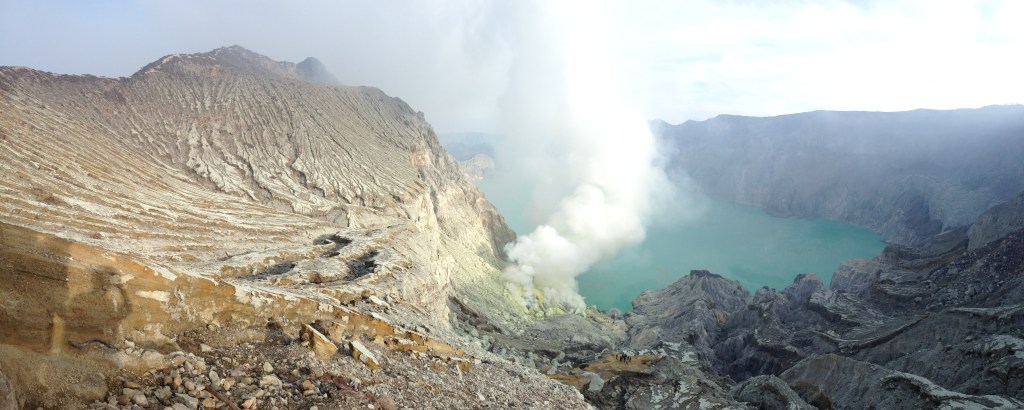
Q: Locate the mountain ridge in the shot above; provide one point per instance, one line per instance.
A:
(234, 188)
(812, 112)
(907, 175)
(241, 59)
(216, 229)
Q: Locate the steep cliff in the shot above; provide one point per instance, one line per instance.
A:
(907, 175)
(997, 222)
(209, 199)
(929, 327)
(229, 152)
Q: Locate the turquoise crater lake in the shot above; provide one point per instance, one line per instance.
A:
(738, 242)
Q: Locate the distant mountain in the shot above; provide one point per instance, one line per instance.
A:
(908, 175)
(221, 222)
(313, 70)
(237, 60)
(466, 145)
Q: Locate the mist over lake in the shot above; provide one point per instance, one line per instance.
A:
(737, 241)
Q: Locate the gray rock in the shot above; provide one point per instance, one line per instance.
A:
(162, 393)
(691, 309)
(956, 349)
(854, 276)
(566, 338)
(670, 383)
(833, 381)
(270, 381)
(313, 70)
(191, 402)
(769, 392)
(915, 327)
(596, 382)
(997, 222)
(908, 175)
(803, 286)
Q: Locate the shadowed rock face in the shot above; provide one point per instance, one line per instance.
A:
(997, 222)
(907, 175)
(692, 309)
(313, 70)
(938, 325)
(769, 392)
(225, 187)
(930, 325)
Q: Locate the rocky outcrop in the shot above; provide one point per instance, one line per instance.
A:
(924, 327)
(466, 145)
(832, 381)
(997, 222)
(590, 353)
(769, 392)
(692, 309)
(223, 204)
(654, 381)
(199, 156)
(224, 229)
(906, 175)
(477, 167)
(313, 70)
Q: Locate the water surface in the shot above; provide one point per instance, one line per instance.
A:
(736, 241)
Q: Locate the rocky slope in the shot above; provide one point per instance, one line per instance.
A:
(214, 211)
(477, 167)
(222, 153)
(907, 175)
(939, 326)
(221, 230)
(997, 222)
(934, 326)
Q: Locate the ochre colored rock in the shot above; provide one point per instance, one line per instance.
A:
(321, 345)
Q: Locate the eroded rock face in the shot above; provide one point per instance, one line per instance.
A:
(997, 222)
(200, 157)
(692, 309)
(907, 175)
(229, 206)
(769, 392)
(833, 381)
(912, 328)
(477, 167)
(141, 214)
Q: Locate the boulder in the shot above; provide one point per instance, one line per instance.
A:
(323, 347)
(769, 392)
(361, 353)
(691, 309)
(997, 222)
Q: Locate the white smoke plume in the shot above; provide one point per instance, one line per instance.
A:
(564, 98)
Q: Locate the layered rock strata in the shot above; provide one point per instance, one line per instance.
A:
(907, 175)
(221, 201)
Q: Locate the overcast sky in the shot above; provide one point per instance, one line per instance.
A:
(676, 60)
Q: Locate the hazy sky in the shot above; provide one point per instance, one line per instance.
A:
(676, 60)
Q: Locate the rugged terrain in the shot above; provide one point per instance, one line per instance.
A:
(224, 190)
(932, 322)
(935, 326)
(907, 175)
(221, 230)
